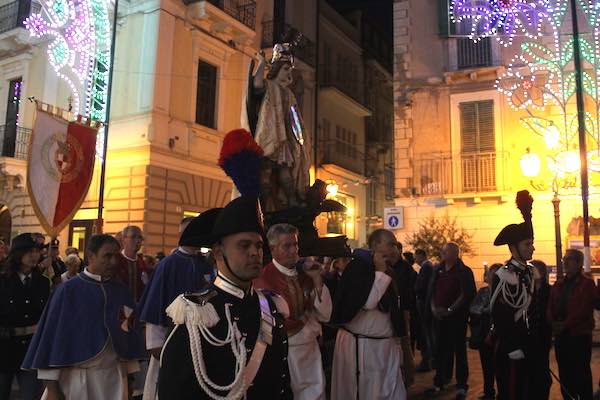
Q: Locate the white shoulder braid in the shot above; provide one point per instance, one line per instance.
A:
(508, 276)
(514, 293)
(182, 310)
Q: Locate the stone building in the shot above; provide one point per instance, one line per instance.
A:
(458, 143)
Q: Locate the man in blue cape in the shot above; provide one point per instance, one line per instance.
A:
(85, 344)
(184, 271)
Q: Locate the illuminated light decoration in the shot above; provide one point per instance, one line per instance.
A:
(79, 50)
(530, 164)
(528, 85)
(552, 136)
(566, 162)
(544, 127)
(593, 160)
(541, 76)
(17, 99)
(509, 17)
(591, 10)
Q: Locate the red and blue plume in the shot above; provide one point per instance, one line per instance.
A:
(240, 158)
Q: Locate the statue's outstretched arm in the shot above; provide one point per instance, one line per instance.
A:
(259, 75)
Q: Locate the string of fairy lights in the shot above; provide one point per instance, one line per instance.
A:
(540, 79)
(79, 51)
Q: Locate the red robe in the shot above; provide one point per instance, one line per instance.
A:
(130, 274)
(296, 290)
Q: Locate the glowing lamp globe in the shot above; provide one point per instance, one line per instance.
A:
(594, 160)
(568, 162)
(551, 136)
(530, 165)
(332, 190)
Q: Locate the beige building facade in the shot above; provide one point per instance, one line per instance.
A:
(444, 86)
(180, 75)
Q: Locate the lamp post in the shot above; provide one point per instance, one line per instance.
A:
(530, 167)
(557, 235)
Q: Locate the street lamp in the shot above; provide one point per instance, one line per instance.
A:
(530, 167)
(332, 189)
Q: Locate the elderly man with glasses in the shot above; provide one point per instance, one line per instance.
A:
(132, 269)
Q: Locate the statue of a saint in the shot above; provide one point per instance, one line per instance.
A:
(274, 118)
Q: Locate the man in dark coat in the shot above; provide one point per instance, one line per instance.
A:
(368, 309)
(451, 290)
(425, 339)
(238, 342)
(571, 312)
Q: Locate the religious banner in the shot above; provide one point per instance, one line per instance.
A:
(60, 168)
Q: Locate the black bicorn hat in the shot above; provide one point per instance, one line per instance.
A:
(198, 233)
(242, 214)
(334, 246)
(515, 233)
(24, 241)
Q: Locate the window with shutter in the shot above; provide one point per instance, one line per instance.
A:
(206, 95)
(445, 25)
(478, 158)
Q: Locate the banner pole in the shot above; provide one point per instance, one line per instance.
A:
(100, 221)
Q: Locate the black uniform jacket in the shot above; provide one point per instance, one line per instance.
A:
(20, 310)
(177, 379)
(512, 335)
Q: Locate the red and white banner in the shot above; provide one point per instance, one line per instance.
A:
(60, 168)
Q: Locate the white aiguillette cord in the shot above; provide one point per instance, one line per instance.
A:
(198, 318)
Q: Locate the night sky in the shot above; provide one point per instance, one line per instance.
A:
(378, 11)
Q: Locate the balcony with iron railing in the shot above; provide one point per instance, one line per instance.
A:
(470, 54)
(14, 141)
(343, 154)
(243, 11)
(14, 13)
(305, 51)
(442, 174)
(343, 81)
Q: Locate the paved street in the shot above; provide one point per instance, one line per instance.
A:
(424, 381)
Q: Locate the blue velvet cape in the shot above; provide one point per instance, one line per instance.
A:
(176, 274)
(82, 315)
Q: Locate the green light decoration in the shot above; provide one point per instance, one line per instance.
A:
(591, 11)
(99, 79)
(59, 9)
(79, 50)
(59, 53)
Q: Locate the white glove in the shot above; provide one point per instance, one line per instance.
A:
(516, 355)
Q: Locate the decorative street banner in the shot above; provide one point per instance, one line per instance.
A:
(60, 168)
